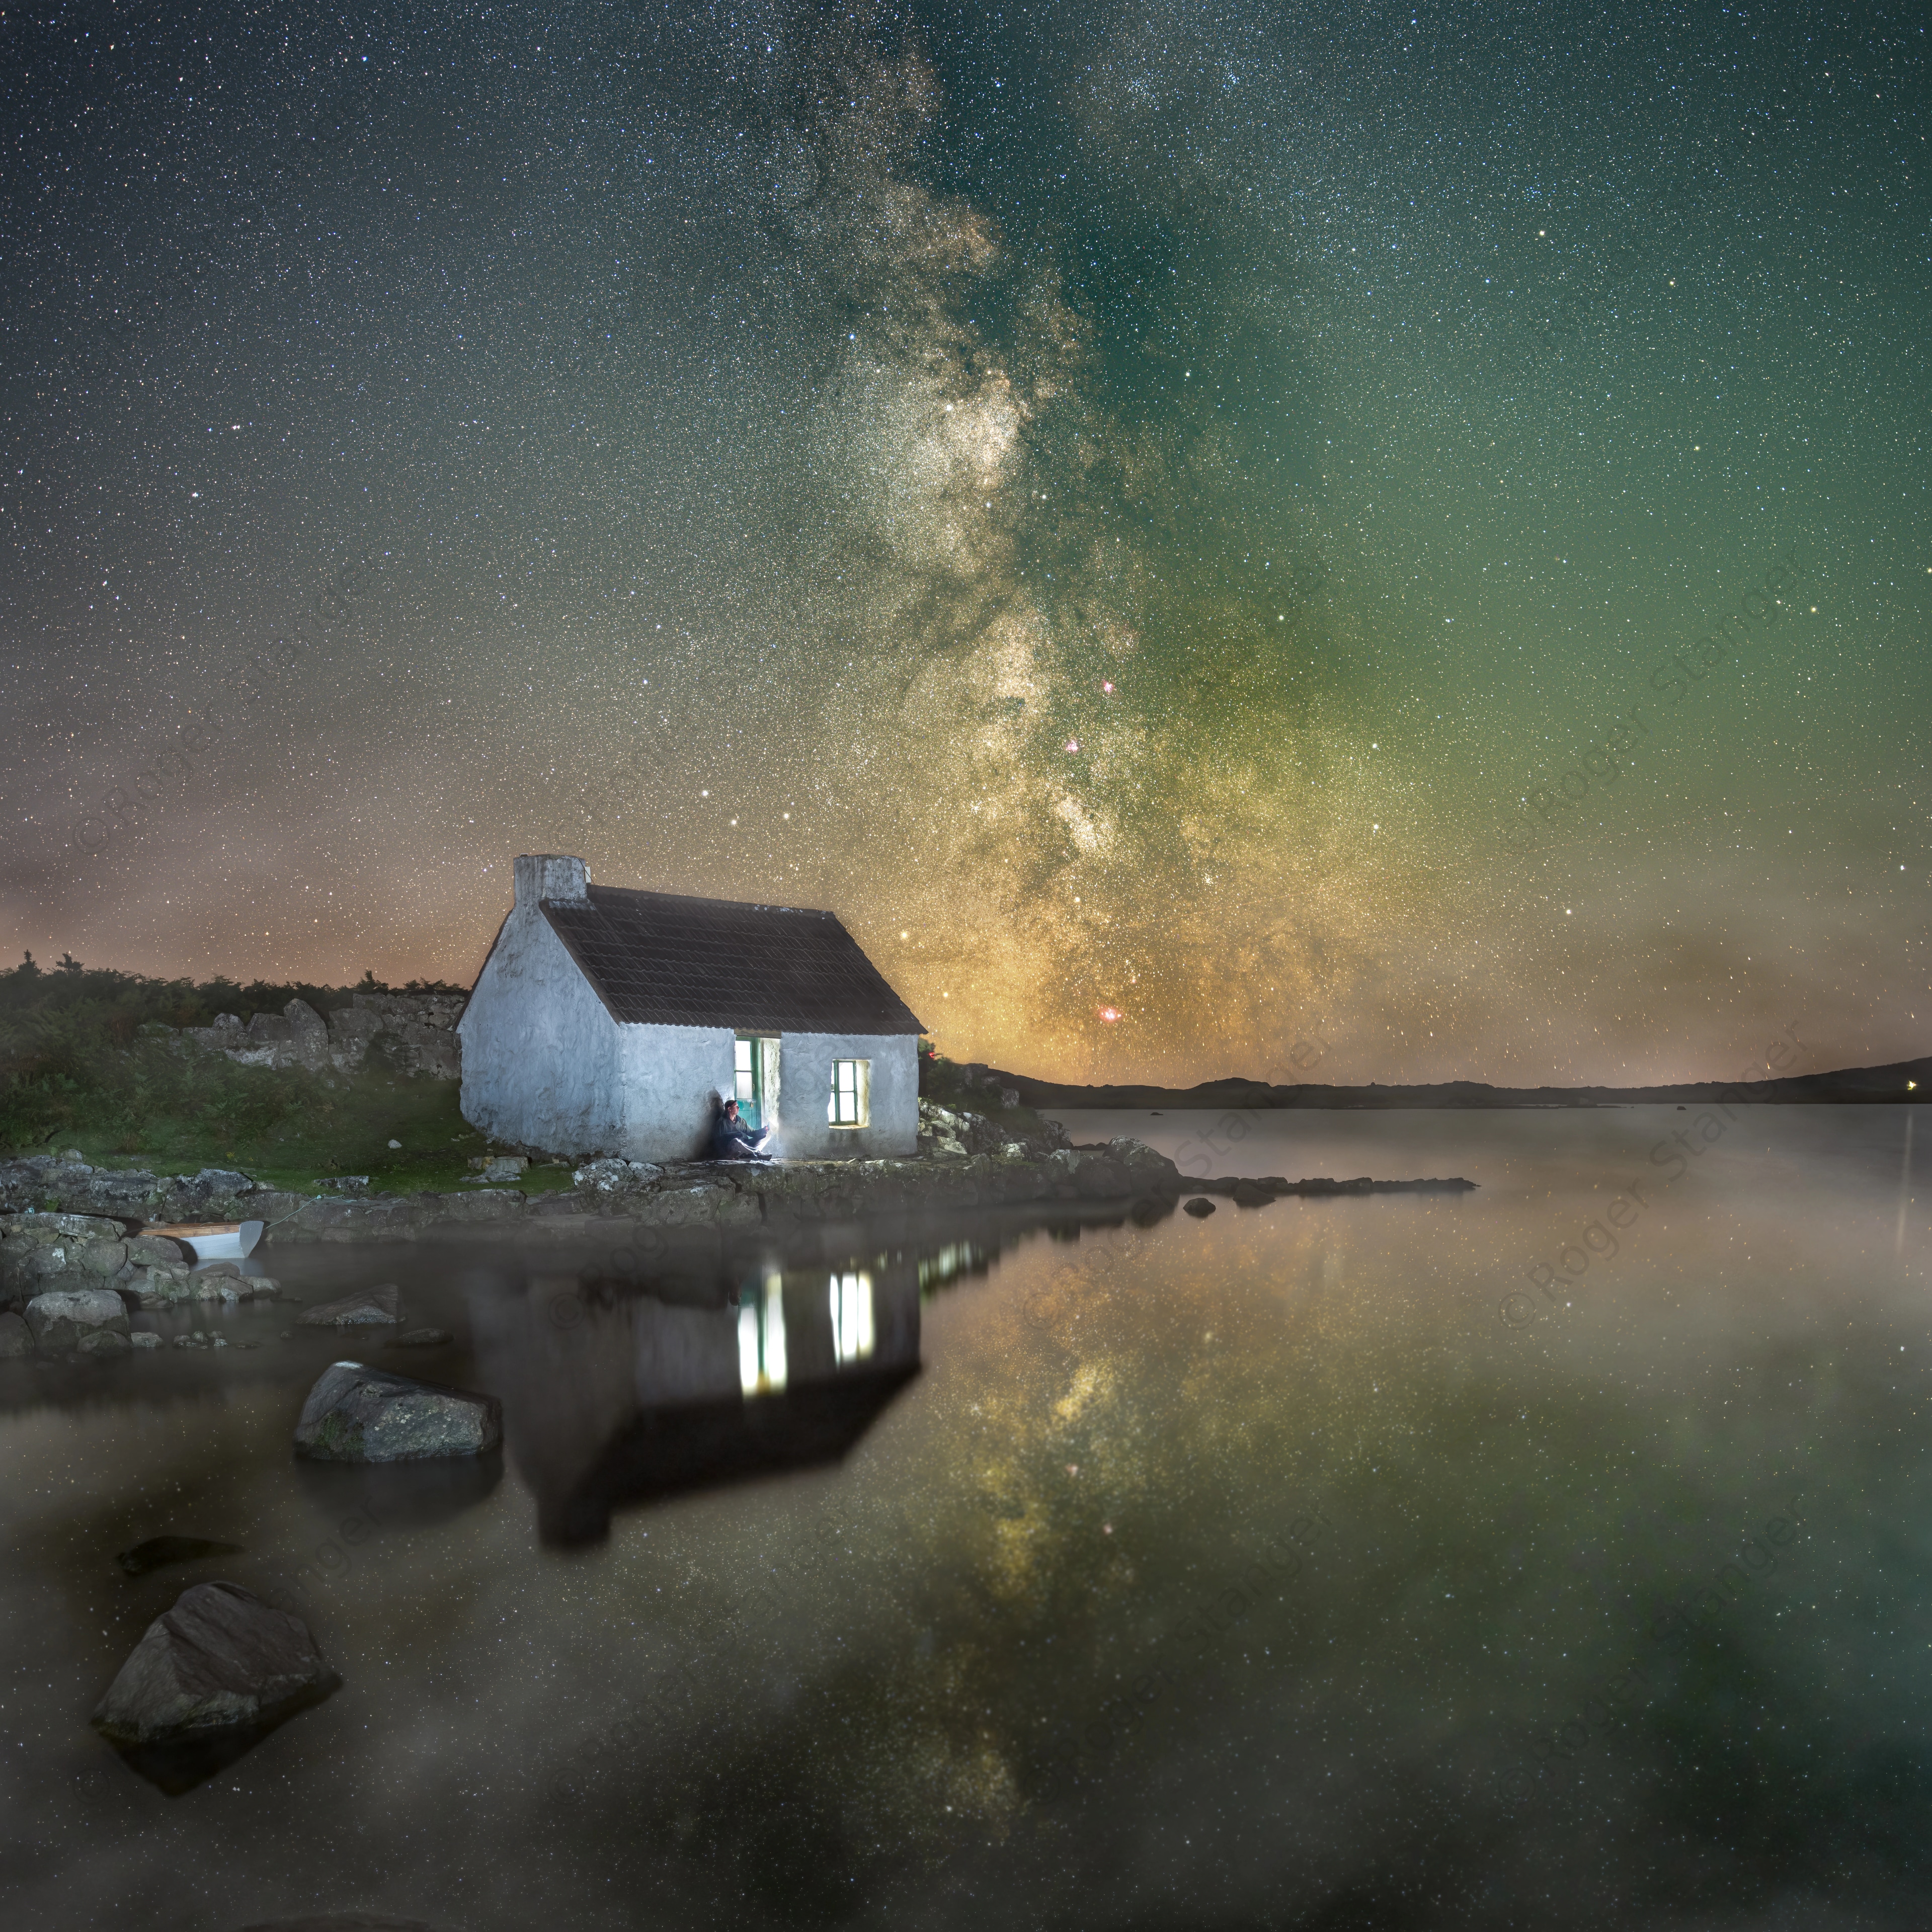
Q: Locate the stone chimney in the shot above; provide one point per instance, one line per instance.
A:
(543, 875)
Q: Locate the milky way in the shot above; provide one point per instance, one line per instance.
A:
(1196, 533)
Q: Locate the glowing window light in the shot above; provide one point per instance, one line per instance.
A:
(851, 1317)
(761, 1339)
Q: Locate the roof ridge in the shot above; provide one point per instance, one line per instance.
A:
(695, 898)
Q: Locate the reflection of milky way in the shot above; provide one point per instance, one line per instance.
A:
(1133, 506)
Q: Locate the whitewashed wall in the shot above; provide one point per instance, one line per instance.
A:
(672, 1077)
(540, 1064)
(806, 1059)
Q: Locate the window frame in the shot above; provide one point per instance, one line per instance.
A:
(861, 1092)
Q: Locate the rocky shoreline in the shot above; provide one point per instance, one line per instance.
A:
(74, 1256)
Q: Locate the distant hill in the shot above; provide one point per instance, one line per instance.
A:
(1856, 1086)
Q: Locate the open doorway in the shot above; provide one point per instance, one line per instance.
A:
(755, 1078)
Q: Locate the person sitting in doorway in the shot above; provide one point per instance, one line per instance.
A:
(733, 1138)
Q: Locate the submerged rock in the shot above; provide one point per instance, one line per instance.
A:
(158, 1550)
(1200, 1207)
(358, 1414)
(89, 1319)
(420, 1338)
(378, 1307)
(208, 1678)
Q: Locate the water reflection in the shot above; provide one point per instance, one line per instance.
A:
(645, 1392)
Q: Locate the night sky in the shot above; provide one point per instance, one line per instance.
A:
(1192, 529)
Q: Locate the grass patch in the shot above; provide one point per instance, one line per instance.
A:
(177, 1110)
(87, 1060)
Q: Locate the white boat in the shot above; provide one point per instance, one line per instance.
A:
(212, 1240)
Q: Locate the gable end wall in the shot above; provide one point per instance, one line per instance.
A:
(540, 1064)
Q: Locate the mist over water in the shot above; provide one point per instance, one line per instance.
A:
(1285, 1565)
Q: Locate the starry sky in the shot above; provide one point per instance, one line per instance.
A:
(1197, 529)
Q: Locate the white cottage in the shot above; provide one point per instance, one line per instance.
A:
(610, 1022)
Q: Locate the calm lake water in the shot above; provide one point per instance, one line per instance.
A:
(1557, 1554)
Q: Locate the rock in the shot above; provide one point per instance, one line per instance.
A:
(155, 1251)
(158, 1550)
(40, 1252)
(1252, 1194)
(144, 1338)
(230, 1289)
(1198, 1207)
(358, 1414)
(78, 1318)
(608, 1176)
(16, 1338)
(1098, 1177)
(395, 1144)
(371, 1308)
(220, 1670)
(421, 1338)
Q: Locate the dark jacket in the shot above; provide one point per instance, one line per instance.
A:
(732, 1140)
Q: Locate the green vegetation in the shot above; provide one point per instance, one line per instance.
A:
(87, 1061)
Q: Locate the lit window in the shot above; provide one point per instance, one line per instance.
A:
(748, 1080)
(850, 1103)
(851, 1316)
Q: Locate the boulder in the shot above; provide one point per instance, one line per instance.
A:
(379, 1307)
(1100, 1177)
(42, 1252)
(156, 1284)
(229, 1288)
(1252, 1194)
(86, 1318)
(358, 1414)
(221, 1660)
(145, 1338)
(1149, 1172)
(16, 1338)
(1199, 1208)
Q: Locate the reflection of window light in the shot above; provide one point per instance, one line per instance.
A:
(761, 1339)
(948, 1261)
(851, 1316)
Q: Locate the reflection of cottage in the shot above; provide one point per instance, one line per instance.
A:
(611, 1021)
(619, 1398)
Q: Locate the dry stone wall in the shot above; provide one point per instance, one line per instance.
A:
(411, 1032)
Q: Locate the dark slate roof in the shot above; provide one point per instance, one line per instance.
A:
(664, 960)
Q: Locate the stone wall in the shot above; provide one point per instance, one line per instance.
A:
(410, 1032)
